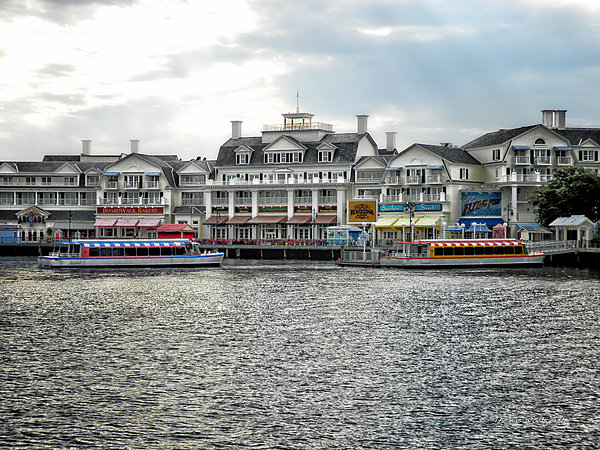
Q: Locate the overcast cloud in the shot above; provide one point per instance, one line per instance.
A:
(175, 73)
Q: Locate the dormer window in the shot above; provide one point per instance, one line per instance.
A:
(242, 158)
(325, 155)
(496, 154)
(540, 141)
(283, 157)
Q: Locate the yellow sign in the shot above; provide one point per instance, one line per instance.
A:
(362, 211)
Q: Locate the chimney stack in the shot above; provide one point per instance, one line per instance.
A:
(86, 147)
(236, 129)
(135, 145)
(391, 140)
(554, 118)
(362, 123)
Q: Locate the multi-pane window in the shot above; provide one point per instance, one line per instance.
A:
(283, 157)
(152, 198)
(46, 181)
(25, 198)
(464, 173)
(7, 181)
(111, 198)
(132, 181)
(242, 158)
(192, 198)
(496, 154)
(47, 198)
(588, 155)
(192, 180)
(69, 181)
(325, 155)
(92, 180)
(67, 198)
(6, 198)
(30, 181)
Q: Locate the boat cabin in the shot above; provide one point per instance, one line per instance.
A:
(121, 248)
(459, 248)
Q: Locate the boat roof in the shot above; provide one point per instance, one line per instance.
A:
(463, 242)
(127, 243)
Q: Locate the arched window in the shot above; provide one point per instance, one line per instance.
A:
(540, 141)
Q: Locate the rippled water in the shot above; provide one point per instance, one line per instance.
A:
(298, 355)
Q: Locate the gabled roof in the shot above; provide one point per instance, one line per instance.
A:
(573, 221)
(455, 155)
(497, 137)
(381, 160)
(346, 149)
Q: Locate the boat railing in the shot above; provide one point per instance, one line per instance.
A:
(64, 255)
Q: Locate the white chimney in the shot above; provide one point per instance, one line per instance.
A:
(135, 145)
(391, 140)
(561, 119)
(548, 118)
(362, 123)
(236, 129)
(86, 147)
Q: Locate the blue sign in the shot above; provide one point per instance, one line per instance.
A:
(30, 218)
(418, 207)
(481, 203)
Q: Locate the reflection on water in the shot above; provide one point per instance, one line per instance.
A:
(297, 354)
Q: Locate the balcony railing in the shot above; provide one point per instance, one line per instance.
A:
(526, 178)
(290, 180)
(327, 200)
(192, 202)
(434, 179)
(368, 179)
(309, 126)
(268, 201)
(393, 180)
(243, 200)
(192, 183)
(152, 184)
(413, 179)
(302, 201)
(132, 185)
(522, 160)
(111, 185)
(541, 160)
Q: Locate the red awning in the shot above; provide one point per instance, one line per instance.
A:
(105, 222)
(238, 220)
(267, 219)
(175, 228)
(212, 220)
(149, 223)
(127, 222)
(300, 219)
(326, 219)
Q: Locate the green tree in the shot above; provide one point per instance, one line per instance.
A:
(572, 190)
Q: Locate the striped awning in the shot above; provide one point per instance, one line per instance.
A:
(328, 219)
(105, 222)
(238, 220)
(385, 222)
(300, 219)
(127, 222)
(403, 221)
(149, 223)
(428, 222)
(267, 220)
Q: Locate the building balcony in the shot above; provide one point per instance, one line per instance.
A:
(297, 127)
(413, 179)
(192, 202)
(192, 183)
(393, 180)
(287, 181)
(303, 201)
(219, 202)
(327, 200)
(67, 202)
(541, 160)
(368, 180)
(434, 179)
(132, 185)
(111, 185)
(152, 185)
(522, 160)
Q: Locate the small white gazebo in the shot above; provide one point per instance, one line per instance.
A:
(583, 226)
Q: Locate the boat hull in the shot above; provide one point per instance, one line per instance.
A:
(458, 262)
(206, 260)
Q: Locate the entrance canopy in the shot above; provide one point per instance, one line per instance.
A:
(386, 222)
(238, 220)
(105, 222)
(326, 219)
(148, 223)
(127, 222)
(267, 220)
(300, 220)
(403, 221)
(428, 222)
(216, 220)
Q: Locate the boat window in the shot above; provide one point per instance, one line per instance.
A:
(448, 251)
(154, 251)
(166, 251)
(469, 251)
(479, 250)
(95, 252)
(499, 250)
(518, 250)
(105, 251)
(510, 250)
(459, 251)
(438, 251)
(180, 251)
(142, 251)
(489, 251)
(118, 251)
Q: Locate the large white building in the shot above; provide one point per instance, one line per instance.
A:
(293, 181)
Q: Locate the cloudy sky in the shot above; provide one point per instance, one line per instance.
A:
(174, 73)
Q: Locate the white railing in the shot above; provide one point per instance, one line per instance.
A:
(522, 160)
(541, 160)
(152, 184)
(434, 178)
(308, 126)
(564, 160)
(413, 179)
(111, 185)
(288, 181)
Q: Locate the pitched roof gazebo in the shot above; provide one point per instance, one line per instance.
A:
(579, 223)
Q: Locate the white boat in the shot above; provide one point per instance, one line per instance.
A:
(129, 253)
(460, 253)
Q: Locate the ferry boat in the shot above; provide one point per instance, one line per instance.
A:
(129, 253)
(460, 253)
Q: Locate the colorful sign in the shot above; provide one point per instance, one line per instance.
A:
(129, 210)
(399, 207)
(364, 211)
(481, 203)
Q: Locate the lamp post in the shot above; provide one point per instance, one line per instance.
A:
(410, 207)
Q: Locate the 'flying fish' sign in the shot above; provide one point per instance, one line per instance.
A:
(481, 203)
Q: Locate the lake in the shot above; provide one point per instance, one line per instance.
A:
(298, 354)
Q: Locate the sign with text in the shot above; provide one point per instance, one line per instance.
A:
(399, 207)
(481, 203)
(129, 210)
(364, 211)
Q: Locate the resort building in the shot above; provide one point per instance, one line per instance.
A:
(290, 183)
(293, 181)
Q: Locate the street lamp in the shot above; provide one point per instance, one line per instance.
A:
(410, 207)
